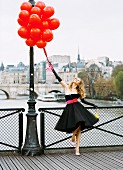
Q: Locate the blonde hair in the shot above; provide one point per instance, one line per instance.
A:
(80, 88)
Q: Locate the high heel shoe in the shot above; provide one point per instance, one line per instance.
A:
(78, 154)
(73, 143)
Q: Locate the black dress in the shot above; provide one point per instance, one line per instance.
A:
(74, 115)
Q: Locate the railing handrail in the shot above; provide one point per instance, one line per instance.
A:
(9, 109)
(100, 107)
(46, 111)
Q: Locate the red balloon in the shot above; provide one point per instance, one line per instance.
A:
(35, 20)
(50, 38)
(22, 22)
(48, 11)
(36, 10)
(30, 42)
(54, 23)
(45, 25)
(47, 35)
(36, 24)
(40, 4)
(35, 33)
(29, 27)
(24, 15)
(41, 44)
(23, 32)
(26, 6)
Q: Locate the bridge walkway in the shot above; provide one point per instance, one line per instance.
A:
(90, 159)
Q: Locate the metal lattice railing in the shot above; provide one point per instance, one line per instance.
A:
(107, 132)
(11, 129)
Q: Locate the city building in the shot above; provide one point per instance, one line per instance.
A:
(58, 62)
(1, 67)
(41, 72)
(67, 70)
(101, 65)
(14, 75)
(80, 65)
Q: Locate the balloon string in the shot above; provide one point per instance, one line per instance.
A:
(50, 68)
(46, 55)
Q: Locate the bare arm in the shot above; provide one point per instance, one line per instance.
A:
(64, 84)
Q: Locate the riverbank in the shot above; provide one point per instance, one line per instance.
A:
(21, 101)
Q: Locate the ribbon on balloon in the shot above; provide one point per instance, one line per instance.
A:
(46, 55)
(50, 67)
(36, 23)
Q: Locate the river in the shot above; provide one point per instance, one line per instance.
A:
(21, 102)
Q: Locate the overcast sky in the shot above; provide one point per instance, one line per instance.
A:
(95, 26)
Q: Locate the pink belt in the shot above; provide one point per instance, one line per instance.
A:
(72, 101)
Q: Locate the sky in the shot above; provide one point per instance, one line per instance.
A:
(95, 27)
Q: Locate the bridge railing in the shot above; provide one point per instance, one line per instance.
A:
(11, 129)
(107, 132)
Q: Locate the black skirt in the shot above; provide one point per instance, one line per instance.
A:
(73, 116)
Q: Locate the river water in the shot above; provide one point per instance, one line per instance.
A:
(21, 102)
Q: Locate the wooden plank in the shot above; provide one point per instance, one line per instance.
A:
(17, 162)
(110, 160)
(86, 162)
(81, 163)
(4, 164)
(100, 161)
(119, 155)
(9, 163)
(65, 159)
(24, 162)
(95, 162)
(45, 161)
(39, 163)
(30, 162)
(101, 158)
(75, 160)
(58, 161)
(113, 159)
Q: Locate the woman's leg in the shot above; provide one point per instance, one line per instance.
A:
(74, 134)
(78, 140)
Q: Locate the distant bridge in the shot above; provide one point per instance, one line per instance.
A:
(13, 90)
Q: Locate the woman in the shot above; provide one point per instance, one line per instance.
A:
(75, 116)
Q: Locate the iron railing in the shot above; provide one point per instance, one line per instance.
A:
(11, 129)
(107, 132)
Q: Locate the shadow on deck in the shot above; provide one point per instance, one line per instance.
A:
(106, 158)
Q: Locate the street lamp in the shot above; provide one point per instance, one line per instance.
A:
(31, 146)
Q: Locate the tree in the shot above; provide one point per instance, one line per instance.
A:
(104, 88)
(119, 84)
(83, 76)
(117, 69)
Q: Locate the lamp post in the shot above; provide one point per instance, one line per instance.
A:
(31, 146)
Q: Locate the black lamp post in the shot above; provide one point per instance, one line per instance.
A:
(31, 146)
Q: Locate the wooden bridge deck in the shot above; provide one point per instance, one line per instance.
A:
(88, 160)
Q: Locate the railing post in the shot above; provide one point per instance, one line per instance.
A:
(42, 131)
(20, 130)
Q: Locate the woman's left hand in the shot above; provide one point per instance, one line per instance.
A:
(95, 106)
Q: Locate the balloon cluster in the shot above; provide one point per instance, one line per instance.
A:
(36, 24)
